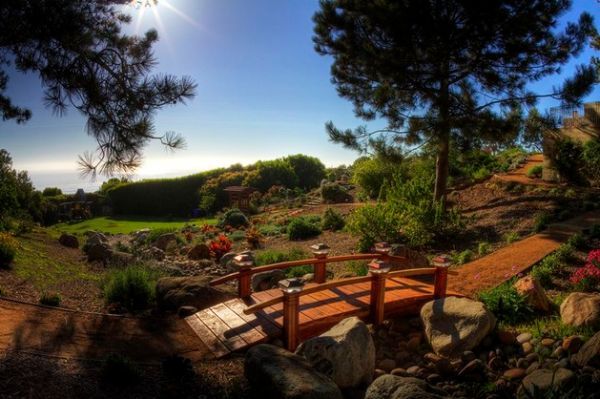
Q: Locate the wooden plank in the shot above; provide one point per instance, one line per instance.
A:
(214, 344)
(257, 320)
(337, 302)
(303, 318)
(219, 328)
(238, 325)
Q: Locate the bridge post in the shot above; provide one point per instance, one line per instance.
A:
(320, 252)
(440, 278)
(378, 270)
(244, 262)
(291, 289)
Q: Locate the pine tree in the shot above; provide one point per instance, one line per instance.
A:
(85, 61)
(438, 70)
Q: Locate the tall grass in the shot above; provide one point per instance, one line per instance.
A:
(132, 287)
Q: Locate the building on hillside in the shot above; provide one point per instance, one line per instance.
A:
(579, 124)
(239, 197)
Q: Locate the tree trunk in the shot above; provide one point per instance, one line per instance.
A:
(441, 168)
(442, 162)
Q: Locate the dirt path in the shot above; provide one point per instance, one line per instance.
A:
(492, 270)
(72, 334)
(519, 175)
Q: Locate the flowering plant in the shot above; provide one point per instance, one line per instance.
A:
(587, 277)
(220, 246)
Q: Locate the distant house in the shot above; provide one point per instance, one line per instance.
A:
(239, 196)
(577, 124)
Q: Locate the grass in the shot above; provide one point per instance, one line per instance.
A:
(128, 224)
(36, 262)
(132, 287)
(552, 327)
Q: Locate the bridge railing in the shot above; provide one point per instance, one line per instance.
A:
(291, 299)
(319, 263)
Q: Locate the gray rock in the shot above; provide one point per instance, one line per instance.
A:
(199, 251)
(185, 311)
(99, 252)
(395, 387)
(164, 240)
(174, 292)
(581, 310)
(274, 373)
(541, 381)
(266, 280)
(153, 253)
(588, 351)
(119, 258)
(68, 240)
(345, 353)
(454, 325)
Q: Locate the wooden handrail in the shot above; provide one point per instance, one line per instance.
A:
(305, 262)
(310, 290)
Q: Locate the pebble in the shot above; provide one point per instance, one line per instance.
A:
(527, 348)
(399, 372)
(525, 337)
(387, 365)
(506, 337)
(532, 357)
(522, 363)
(514, 374)
(494, 363)
(414, 343)
(433, 378)
(532, 367)
(473, 366)
(572, 344)
(558, 352)
(562, 363)
(414, 370)
(547, 342)
(378, 373)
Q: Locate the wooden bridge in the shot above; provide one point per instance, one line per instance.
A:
(296, 315)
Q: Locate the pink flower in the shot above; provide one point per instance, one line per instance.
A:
(594, 257)
(588, 271)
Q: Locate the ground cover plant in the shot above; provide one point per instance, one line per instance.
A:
(132, 287)
(129, 224)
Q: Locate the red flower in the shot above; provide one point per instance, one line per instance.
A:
(594, 257)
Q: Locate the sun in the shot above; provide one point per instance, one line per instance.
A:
(143, 3)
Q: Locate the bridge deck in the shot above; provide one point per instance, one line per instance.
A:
(225, 328)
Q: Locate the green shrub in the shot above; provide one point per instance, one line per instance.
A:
(511, 237)
(234, 218)
(237, 236)
(132, 287)
(266, 174)
(334, 193)
(358, 267)
(309, 170)
(51, 192)
(301, 228)
(298, 271)
(374, 223)
(483, 248)
(552, 264)
(541, 222)
(271, 229)
(50, 299)
(119, 370)
(8, 249)
(567, 158)
(463, 257)
(577, 241)
(270, 256)
(506, 303)
(333, 220)
(372, 174)
(481, 174)
(535, 172)
(591, 160)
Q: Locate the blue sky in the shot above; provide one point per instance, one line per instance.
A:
(263, 92)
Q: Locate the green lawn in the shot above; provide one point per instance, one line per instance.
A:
(127, 224)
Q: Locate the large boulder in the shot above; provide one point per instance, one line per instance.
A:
(581, 310)
(390, 386)
(266, 280)
(94, 238)
(198, 252)
(454, 325)
(228, 263)
(99, 253)
(120, 258)
(164, 240)
(543, 380)
(175, 292)
(68, 240)
(345, 353)
(533, 291)
(274, 373)
(588, 353)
